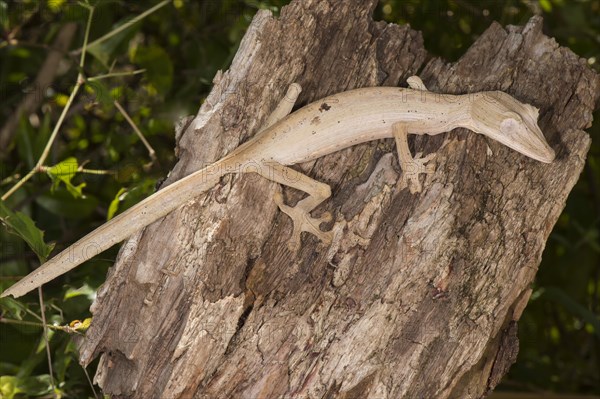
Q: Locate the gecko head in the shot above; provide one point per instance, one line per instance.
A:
(499, 116)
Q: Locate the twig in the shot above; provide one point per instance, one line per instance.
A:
(32, 313)
(80, 81)
(151, 151)
(80, 169)
(65, 329)
(10, 179)
(115, 74)
(90, 381)
(124, 26)
(78, 84)
(96, 171)
(48, 144)
(44, 79)
(45, 334)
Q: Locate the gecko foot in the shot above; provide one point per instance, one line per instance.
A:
(412, 169)
(302, 221)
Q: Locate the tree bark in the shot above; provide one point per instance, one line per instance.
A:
(417, 297)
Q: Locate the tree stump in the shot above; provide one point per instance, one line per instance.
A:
(417, 297)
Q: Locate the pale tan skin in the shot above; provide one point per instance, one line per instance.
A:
(323, 127)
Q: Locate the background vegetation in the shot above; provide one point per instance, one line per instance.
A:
(98, 166)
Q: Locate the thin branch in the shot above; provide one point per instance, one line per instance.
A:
(44, 79)
(48, 144)
(46, 152)
(45, 334)
(80, 81)
(10, 179)
(65, 329)
(116, 74)
(125, 26)
(85, 5)
(96, 171)
(151, 151)
(32, 313)
(90, 381)
(80, 169)
(86, 37)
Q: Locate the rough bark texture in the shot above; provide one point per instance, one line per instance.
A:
(419, 294)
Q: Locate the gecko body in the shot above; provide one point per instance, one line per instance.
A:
(320, 128)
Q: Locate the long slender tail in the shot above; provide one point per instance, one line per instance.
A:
(124, 225)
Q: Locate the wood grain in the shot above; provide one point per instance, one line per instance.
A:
(419, 294)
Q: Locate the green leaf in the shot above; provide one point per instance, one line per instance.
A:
(42, 342)
(36, 385)
(105, 50)
(21, 225)
(546, 5)
(56, 5)
(31, 141)
(85, 290)
(7, 368)
(64, 172)
(8, 387)
(33, 360)
(13, 307)
(114, 204)
(61, 203)
(559, 296)
(42, 135)
(4, 22)
(25, 139)
(158, 65)
(31, 386)
(64, 356)
(126, 198)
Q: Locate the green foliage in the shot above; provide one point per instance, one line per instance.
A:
(65, 172)
(159, 69)
(31, 386)
(159, 65)
(21, 225)
(67, 200)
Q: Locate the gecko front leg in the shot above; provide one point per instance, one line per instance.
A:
(285, 106)
(415, 82)
(411, 167)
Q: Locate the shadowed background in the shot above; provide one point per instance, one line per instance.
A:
(181, 46)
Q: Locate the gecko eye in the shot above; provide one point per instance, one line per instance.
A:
(510, 123)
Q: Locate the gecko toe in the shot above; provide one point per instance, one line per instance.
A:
(326, 217)
(302, 221)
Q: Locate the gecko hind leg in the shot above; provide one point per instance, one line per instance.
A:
(411, 167)
(300, 214)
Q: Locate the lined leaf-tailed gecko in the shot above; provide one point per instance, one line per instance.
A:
(320, 128)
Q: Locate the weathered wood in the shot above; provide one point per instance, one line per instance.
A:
(419, 294)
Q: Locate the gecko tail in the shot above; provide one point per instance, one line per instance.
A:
(123, 226)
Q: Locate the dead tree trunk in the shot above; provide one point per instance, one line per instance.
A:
(420, 296)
